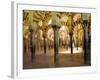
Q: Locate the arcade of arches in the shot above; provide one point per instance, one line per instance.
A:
(56, 39)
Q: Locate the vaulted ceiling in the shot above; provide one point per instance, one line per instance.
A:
(42, 18)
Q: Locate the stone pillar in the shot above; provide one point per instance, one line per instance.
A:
(71, 43)
(86, 48)
(70, 20)
(55, 28)
(32, 28)
(44, 41)
(55, 25)
(33, 45)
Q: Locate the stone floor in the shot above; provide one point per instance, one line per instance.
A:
(42, 60)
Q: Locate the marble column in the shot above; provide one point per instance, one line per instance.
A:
(55, 25)
(86, 47)
(44, 41)
(33, 28)
(55, 28)
(33, 40)
(71, 43)
(70, 20)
